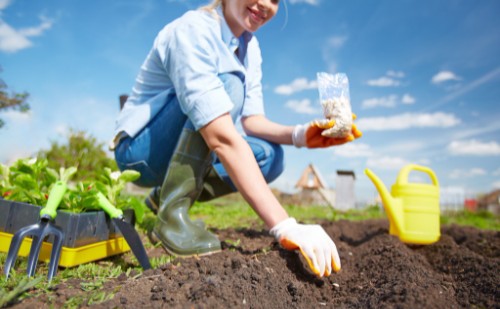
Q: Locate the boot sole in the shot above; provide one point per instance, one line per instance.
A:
(154, 238)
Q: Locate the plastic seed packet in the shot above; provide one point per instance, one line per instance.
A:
(335, 100)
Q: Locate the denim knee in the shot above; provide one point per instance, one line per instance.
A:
(269, 157)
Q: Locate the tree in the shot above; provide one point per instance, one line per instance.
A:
(83, 151)
(12, 100)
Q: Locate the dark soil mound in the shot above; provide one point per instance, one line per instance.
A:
(378, 271)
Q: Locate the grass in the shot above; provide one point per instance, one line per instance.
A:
(231, 212)
(222, 214)
(481, 219)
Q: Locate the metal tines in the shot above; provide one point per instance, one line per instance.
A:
(38, 232)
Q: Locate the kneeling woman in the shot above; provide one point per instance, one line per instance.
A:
(177, 128)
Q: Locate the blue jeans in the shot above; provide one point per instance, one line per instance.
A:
(150, 151)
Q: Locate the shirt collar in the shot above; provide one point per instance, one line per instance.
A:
(228, 38)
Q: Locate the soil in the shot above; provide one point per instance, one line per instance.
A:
(461, 270)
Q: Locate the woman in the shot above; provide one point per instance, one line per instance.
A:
(177, 128)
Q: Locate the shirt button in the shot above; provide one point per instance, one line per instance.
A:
(235, 41)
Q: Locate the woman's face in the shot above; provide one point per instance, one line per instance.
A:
(248, 15)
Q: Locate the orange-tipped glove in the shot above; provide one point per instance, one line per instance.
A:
(316, 246)
(310, 134)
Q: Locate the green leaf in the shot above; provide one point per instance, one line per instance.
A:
(51, 175)
(139, 209)
(129, 175)
(25, 167)
(25, 181)
(66, 174)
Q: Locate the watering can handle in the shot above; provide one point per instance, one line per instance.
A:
(403, 175)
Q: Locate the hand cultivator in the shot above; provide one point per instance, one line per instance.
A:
(39, 232)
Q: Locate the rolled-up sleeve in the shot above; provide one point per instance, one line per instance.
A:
(192, 67)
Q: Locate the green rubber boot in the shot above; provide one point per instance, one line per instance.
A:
(214, 187)
(182, 185)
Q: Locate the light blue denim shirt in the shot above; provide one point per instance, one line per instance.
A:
(187, 56)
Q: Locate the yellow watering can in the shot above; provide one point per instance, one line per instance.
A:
(413, 208)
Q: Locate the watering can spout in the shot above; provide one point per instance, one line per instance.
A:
(393, 206)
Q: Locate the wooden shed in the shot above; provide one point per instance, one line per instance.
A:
(313, 188)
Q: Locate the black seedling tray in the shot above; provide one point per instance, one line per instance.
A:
(79, 229)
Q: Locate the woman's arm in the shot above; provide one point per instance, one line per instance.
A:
(261, 127)
(235, 154)
(312, 241)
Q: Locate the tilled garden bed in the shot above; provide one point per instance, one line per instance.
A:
(462, 270)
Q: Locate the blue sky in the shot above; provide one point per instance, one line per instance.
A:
(424, 79)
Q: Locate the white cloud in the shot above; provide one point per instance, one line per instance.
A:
(311, 2)
(488, 77)
(4, 4)
(396, 74)
(470, 173)
(386, 163)
(408, 146)
(496, 185)
(474, 147)
(61, 129)
(407, 121)
(391, 79)
(13, 118)
(13, 40)
(329, 50)
(45, 24)
(302, 107)
(408, 99)
(388, 101)
(383, 81)
(354, 150)
(337, 41)
(299, 84)
(444, 76)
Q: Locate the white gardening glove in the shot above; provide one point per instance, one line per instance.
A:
(316, 246)
(312, 134)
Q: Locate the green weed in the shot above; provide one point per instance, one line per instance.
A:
(161, 260)
(19, 287)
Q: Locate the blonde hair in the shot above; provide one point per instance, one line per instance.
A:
(211, 6)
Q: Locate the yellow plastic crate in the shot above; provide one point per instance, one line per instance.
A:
(70, 256)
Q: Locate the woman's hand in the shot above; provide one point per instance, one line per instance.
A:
(309, 134)
(316, 246)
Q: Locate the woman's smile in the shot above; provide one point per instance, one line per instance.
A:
(256, 16)
(248, 15)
